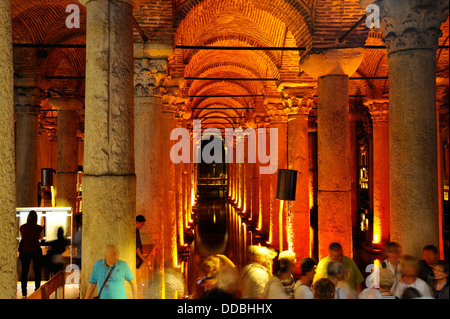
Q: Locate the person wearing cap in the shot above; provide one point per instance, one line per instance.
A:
(256, 274)
(140, 258)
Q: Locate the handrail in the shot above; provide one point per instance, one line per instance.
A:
(47, 289)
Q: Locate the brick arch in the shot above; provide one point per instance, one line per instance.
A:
(263, 61)
(296, 14)
(41, 18)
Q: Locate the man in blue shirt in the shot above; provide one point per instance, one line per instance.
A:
(115, 286)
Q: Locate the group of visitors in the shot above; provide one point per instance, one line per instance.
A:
(334, 277)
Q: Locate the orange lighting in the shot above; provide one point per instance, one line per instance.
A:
(53, 191)
(376, 238)
(376, 263)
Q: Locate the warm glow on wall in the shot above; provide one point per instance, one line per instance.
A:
(376, 229)
(259, 220)
(53, 191)
(376, 238)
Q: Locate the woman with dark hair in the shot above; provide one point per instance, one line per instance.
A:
(440, 286)
(30, 249)
(324, 288)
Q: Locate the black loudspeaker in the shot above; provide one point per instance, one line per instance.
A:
(47, 177)
(286, 184)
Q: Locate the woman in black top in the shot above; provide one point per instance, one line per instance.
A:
(30, 249)
(440, 285)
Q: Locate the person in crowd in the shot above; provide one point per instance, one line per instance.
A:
(56, 249)
(114, 287)
(387, 279)
(408, 278)
(255, 275)
(337, 273)
(410, 293)
(324, 289)
(370, 293)
(354, 277)
(393, 252)
(426, 265)
(281, 286)
(174, 283)
(228, 279)
(77, 239)
(440, 284)
(302, 289)
(140, 258)
(210, 267)
(30, 249)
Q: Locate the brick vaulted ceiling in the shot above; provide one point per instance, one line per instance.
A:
(252, 23)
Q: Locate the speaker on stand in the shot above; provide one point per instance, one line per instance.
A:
(286, 187)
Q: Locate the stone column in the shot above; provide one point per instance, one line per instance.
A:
(332, 68)
(411, 30)
(379, 111)
(298, 159)
(278, 120)
(109, 181)
(264, 185)
(67, 163)
(168, 186)
(8, 224)
(27, 111)
(148, 84)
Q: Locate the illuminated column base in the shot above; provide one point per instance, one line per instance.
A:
(381, 217)
(298, 159)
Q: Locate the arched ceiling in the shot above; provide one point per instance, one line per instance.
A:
(238, 23)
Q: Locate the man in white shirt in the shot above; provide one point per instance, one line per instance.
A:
(256, 275)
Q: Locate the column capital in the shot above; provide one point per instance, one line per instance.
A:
(322, 62)
(149, 76)
(26, 100)
(66, 104)
(379, 110)
(276, 114)
(297, 100)
(133, 3)
(412, 24)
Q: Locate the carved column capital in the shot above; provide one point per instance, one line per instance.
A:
(297, 100)
(412, 24)
(276, 114)
(379, 110)
(149, 76)
(26, 100)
